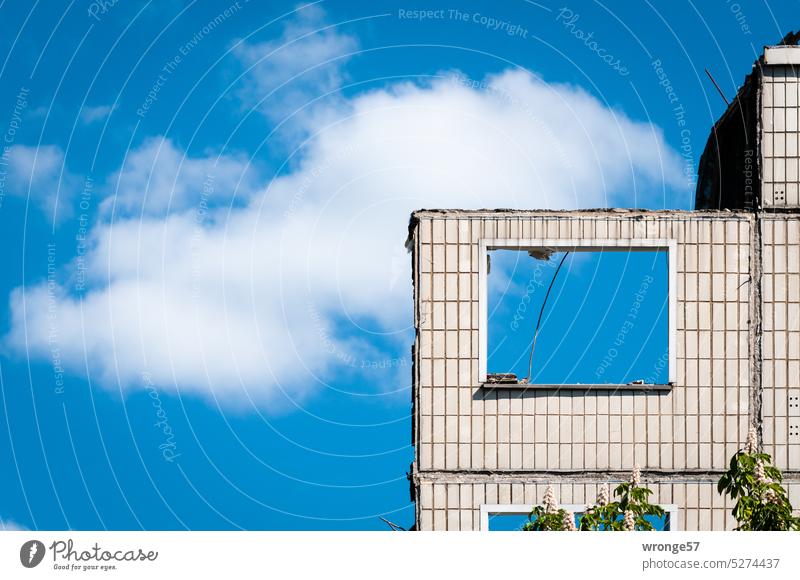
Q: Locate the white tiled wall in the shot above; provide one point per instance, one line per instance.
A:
(780, 100)
(696, 425)
(456, 506)
(781, 339)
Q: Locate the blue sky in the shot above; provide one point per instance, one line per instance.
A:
(206, 300)
(605, 320)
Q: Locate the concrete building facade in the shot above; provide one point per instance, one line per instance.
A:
(485, 446)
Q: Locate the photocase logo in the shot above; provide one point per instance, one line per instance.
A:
(31, 553)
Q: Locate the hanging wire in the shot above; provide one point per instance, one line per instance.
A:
(541, 312)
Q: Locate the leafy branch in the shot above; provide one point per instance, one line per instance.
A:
(762, 504)
(628, 512)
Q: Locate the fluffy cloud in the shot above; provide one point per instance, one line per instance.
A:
(158, 177)
(91, 114)
(278, 294)
(39, 173)
(304, 63)
(11, 526)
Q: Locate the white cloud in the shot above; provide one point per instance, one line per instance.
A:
(158, 177)
(11, 526)
(40, 174)
(255, 300)
(91, 114)
(304, 63)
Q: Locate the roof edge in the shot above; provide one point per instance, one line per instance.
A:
(429, 212)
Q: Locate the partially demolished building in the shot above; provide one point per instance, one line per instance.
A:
(489, 445)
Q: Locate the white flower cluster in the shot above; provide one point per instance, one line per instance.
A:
(636, 475)
(550, 504)
(568, 522)
(752, 441)
(603, 495)
(771, 496)
(761, 477)
(629, 522)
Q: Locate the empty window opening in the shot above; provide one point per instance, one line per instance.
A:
(577, 316)
(516, 522)
(513, 518)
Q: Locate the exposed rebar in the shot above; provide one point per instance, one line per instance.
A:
(541, 312)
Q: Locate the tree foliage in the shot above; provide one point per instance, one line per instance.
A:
(539, 520)
(762, 504)
(548, 517)
(628, 512)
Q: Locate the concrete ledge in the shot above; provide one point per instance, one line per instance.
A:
(778, 55)
(579, 387)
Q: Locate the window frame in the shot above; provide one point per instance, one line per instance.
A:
(670, 246)
(519, 509)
